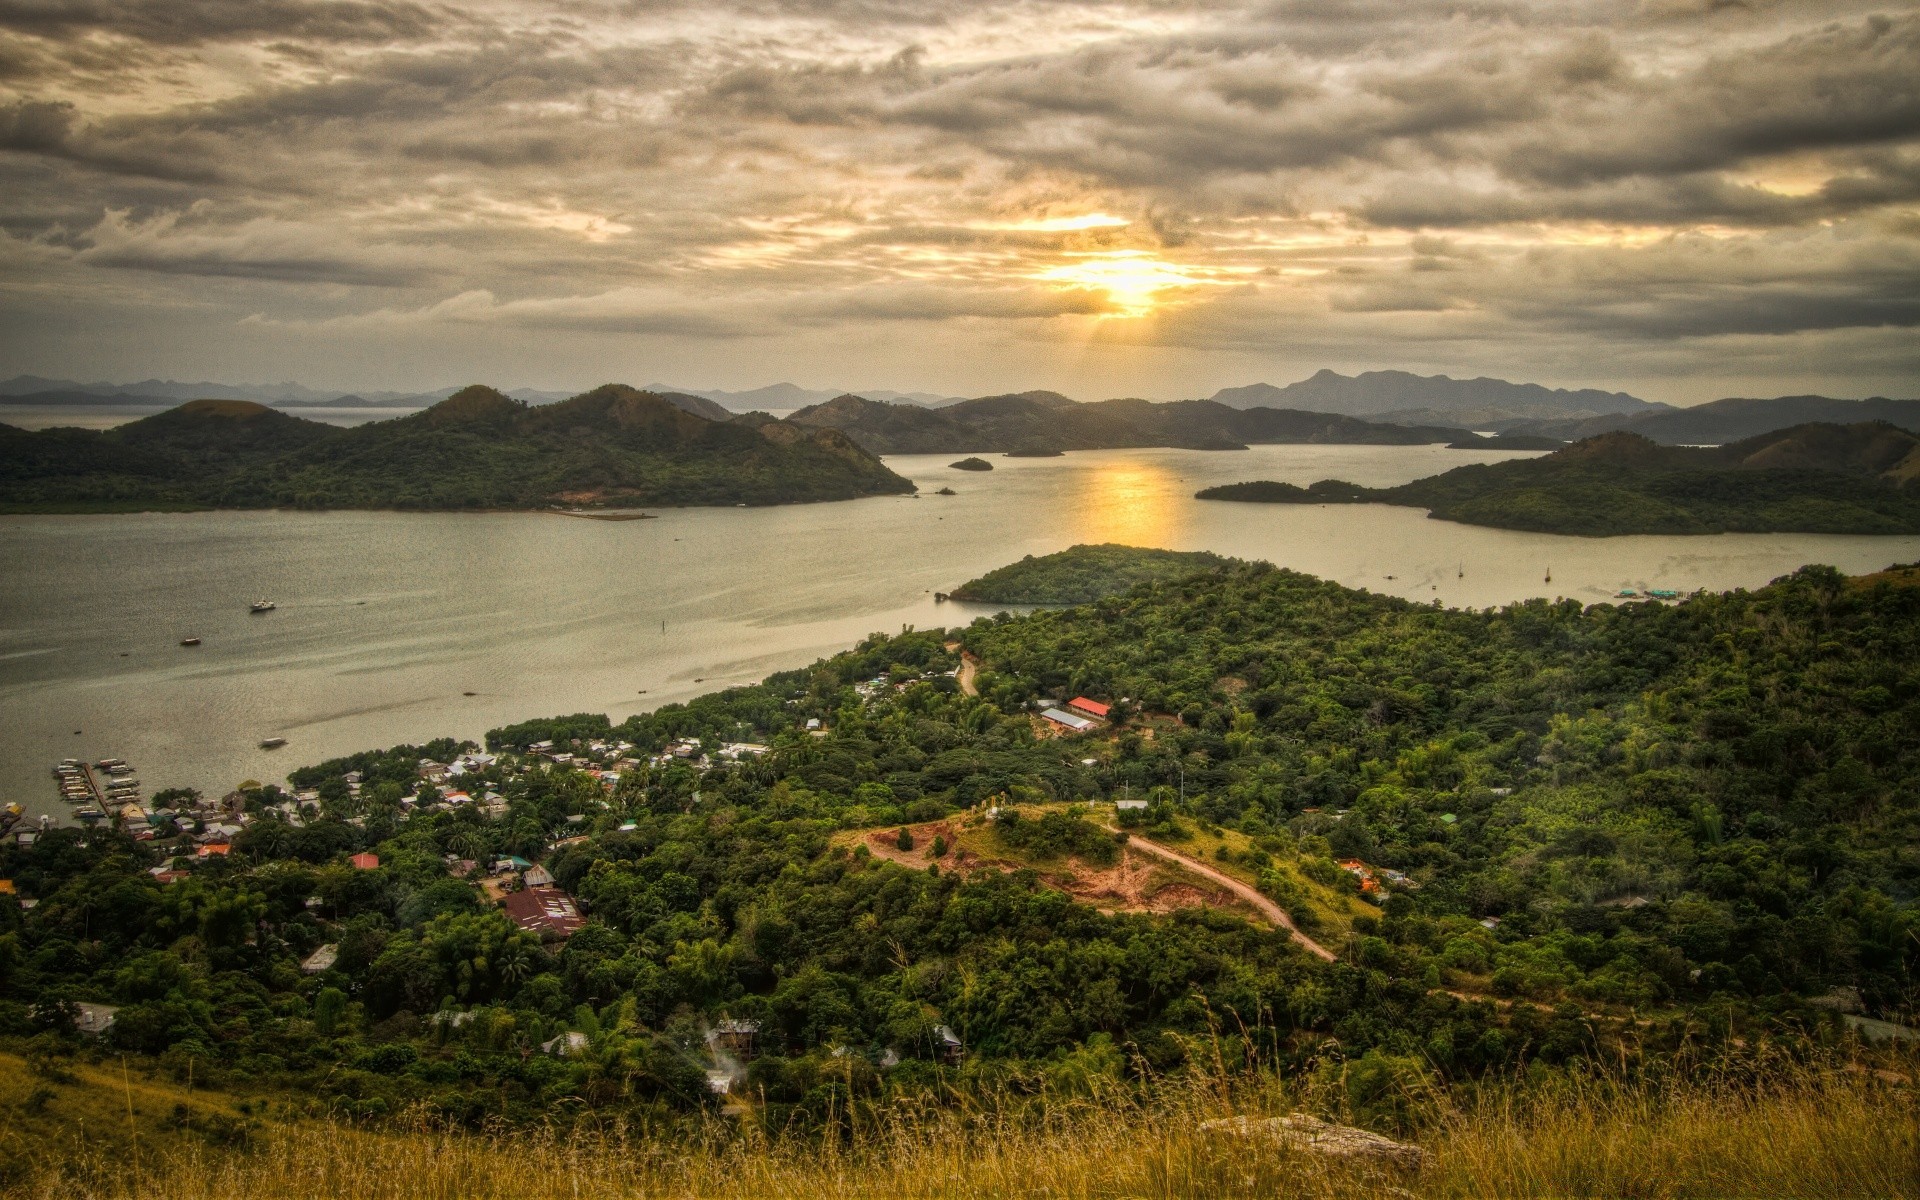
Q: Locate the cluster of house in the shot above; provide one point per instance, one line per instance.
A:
(688, 750)
(1078, 715)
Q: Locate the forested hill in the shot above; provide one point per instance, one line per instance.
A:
(1030, 422)
(476, 449)
(1081, 574)
(1611, 835)
(1859, 479)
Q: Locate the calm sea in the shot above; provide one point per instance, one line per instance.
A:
(386, 620)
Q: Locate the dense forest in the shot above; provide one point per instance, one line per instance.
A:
(1081, 574)
(476, 449)
(1858, 479)
(1609, 831)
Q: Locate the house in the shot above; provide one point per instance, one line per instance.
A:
(566, 1045)
(6, 887)
(734, 1036)
(211, 848)
(947, 1044)
(545, 911)
(365, 861)
(1089, 708)
(537, 877)
(93, 1018)
(1068, 721)
(320, 960)
(1130, 805)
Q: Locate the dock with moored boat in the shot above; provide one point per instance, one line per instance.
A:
(98, 789)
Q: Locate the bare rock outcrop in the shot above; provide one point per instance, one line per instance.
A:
(1311, 1134)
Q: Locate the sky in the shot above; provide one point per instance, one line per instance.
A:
(1684, 199)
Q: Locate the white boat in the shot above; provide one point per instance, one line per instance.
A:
(261, 606)
(272, 743)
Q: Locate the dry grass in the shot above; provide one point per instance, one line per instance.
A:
(1841, 1133)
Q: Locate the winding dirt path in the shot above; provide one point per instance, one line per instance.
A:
(969, 665)
(1251, 895)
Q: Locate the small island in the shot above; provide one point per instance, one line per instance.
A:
(1818, 478)
(971, 464)
(613, 447)
(1083, 574)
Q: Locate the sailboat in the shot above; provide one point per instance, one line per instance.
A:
(1549, 574)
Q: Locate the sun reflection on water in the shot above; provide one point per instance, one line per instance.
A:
(1131, 503)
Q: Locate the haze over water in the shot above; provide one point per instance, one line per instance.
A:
(385, 619)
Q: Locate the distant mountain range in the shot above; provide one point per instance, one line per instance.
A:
(1731, 420)
(477, 449)
(1433, 399)
(1421, 402)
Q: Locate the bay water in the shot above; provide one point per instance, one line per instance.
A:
(385, 622)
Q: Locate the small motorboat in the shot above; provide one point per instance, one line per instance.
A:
(189, 641)
(272, 743)
(260, 606)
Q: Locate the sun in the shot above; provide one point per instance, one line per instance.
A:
(1132, 279)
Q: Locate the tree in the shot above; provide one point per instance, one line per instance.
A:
(328, 1007)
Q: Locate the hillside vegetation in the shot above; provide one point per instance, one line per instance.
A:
(1674, 843)
(1081, 574)
(476, 449)
(1795, 1133)
(1857, 479)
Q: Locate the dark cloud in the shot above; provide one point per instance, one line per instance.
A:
(189, 22)
(36, 126)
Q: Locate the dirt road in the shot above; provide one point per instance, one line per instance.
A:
(1246, 892)
(968, 666)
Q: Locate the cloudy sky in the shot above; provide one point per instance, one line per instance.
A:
(1681, 198)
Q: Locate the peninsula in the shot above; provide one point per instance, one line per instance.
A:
(1817, 478)
(1083, 574)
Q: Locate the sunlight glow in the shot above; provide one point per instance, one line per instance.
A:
(1133, 503)
(1132, 279)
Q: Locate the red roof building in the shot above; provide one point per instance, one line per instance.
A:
(1092, 708)
(364, 861)
(547, 911)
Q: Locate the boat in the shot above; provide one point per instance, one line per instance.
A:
(1663, 593)
(261, 606)
(272, 743)
(1549, 574)
(10, 816)
(189, 641)
(1626, 594)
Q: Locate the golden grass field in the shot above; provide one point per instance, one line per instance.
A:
(1801, 1132)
